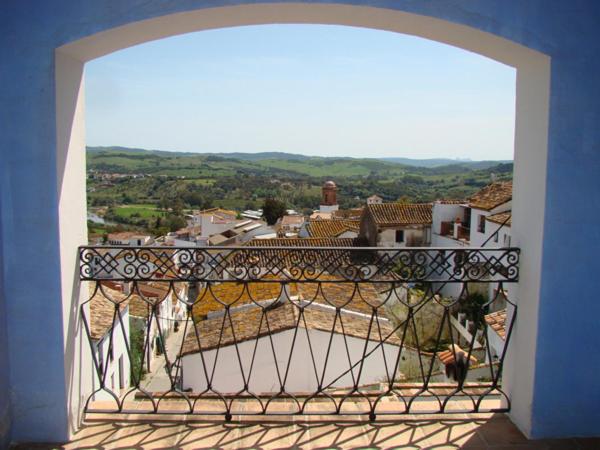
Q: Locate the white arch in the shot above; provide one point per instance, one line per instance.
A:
(531, 131)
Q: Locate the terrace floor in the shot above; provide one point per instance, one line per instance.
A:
(481, 431)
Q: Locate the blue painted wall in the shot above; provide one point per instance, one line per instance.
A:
(5, 408)
(567, 392)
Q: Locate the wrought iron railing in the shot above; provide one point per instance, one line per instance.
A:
(280, 330)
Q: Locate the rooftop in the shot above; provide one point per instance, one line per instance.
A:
(501, 218)
(102, 309)
(331, 228)
(353, 213)
(250, 324)
(497, 322)
(292, 220)
(394, 214)
(492, 196)
(214, 297)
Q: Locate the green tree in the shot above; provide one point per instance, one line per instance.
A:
(272, 210)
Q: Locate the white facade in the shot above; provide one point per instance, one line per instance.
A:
(116, 362)
(328, 209)
(301, 375)
(405, 237)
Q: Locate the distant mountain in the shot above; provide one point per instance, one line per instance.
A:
(276, 164)
(438, 162)
(234, 155)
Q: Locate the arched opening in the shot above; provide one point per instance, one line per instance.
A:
(530, 142)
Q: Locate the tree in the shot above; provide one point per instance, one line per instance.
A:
(272, 210)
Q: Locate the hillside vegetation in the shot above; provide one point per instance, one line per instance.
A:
(137, 184)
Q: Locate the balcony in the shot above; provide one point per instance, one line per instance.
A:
(455, 231)
(277, 331)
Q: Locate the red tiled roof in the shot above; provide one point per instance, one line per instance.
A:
(394, 214)
(246, 325)
(353, 213)
(500, 218)
(331, 228)
(492, 195)
(102, 309)
(497, 322)
(448, 356)
(292, 220)
(304, 242)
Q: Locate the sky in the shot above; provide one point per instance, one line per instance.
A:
(308, 89)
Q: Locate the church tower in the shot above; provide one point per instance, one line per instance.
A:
(329, 198)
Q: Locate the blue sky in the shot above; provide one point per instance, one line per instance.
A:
(310, 89)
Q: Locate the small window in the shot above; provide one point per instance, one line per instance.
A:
(496, 237)
(399, 235)
(481, 223)
(111, 352)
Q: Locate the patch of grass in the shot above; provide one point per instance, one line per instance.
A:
(144, 211)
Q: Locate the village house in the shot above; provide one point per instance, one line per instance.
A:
(374, 200)
(109, 334)
(262, 316)
(484, 219)
(330, 228)
(289, 225)
(213, 221)
(397, 224)
(129, 238)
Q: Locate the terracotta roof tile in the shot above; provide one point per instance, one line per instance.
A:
(497, 321)
(492, 195)
(353, 213)
(500, 218)
(331, 228)
(215, 297)
(102, 309)
(394, 214)
(251, 323)
(292, 220)
(287, 258)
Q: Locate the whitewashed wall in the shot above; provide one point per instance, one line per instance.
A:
(114, 371)
(301, 375)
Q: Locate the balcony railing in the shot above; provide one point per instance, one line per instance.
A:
(280, 330)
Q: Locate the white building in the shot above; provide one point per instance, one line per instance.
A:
(397, 224)
(315, 332)
(374, 200)
(129, 238)
(109, 336)
(484, 219)
(213, 221)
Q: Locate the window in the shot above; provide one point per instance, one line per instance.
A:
(481, 223)
(496, 237)
(399, 235)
